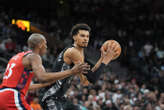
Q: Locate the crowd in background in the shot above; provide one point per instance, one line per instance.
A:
(137, 25)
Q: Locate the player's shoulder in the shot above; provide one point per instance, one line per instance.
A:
(33, 56)
(71, 51)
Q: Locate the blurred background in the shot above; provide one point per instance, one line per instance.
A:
(132, 82)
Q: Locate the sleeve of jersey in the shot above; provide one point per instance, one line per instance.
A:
(94, 76)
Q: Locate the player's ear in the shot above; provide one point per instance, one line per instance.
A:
(74, 37)
(40, 45)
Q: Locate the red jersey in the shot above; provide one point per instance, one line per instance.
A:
(16, 76)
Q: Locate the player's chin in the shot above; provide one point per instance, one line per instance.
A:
(84, 46)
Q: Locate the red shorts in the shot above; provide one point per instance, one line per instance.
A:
(11, 99)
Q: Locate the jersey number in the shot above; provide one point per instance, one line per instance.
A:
(9, 69)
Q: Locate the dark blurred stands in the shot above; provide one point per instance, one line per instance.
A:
(137, 25)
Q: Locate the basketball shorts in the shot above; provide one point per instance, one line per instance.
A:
(11, 99)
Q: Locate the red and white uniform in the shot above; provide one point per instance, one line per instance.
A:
(15, 84)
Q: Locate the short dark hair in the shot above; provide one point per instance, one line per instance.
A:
(78, 27)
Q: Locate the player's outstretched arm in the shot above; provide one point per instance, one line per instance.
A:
(101, 60)
(42, 75)
(97, 70)
(73, 56)
(106, 57)
(40, 85)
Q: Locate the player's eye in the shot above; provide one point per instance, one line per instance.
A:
(82, 35)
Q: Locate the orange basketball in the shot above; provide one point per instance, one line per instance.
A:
(107, 44)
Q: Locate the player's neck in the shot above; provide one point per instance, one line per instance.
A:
(79, 48)
(36, 51)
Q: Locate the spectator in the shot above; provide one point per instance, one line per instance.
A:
(35, 104)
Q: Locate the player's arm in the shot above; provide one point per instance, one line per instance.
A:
(106, 57)
(40, 85)
(97, 65)
(72, 56)
(42, 75)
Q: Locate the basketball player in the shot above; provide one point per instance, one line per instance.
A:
(20, 70)
(52, 97)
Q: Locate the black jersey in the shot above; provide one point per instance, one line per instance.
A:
(59, 88)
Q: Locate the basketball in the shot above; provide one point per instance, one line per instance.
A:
(107, 44)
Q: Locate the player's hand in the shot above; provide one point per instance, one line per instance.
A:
(107, 56)
(80, 68)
